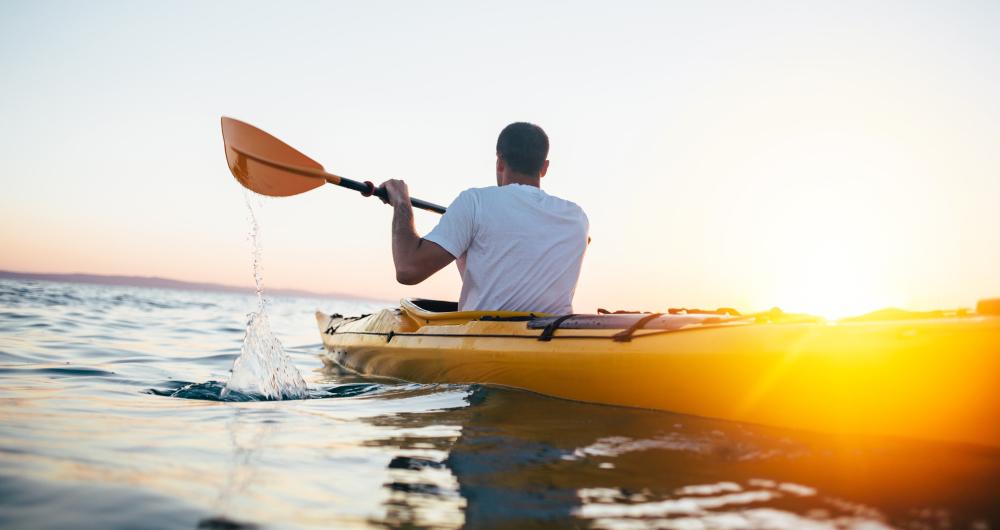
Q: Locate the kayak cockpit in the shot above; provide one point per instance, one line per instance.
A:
(425, 312)
(438, 312)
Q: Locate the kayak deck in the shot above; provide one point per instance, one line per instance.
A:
(932, 378)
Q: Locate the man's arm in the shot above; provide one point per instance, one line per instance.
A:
(416, 259)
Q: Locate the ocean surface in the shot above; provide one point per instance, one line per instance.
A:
(110, 418)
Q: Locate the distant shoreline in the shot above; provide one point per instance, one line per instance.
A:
(165, 283)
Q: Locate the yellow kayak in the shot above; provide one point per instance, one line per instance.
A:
(932, 376)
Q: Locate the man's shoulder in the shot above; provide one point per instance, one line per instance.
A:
(570, 206)
(474, 194)
(496, 195)
(481, 191)
(486, 195)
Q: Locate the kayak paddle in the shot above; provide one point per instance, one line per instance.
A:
(268, 166)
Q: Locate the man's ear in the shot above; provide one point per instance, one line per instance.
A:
(500, 165)
(545, 169)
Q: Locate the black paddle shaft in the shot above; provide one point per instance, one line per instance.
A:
(368, 189)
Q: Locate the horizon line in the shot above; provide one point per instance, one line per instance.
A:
(168, 283)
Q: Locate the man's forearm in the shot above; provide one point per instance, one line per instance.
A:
(404, 238)
(414, 260)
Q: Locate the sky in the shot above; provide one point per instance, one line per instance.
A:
(827, 157)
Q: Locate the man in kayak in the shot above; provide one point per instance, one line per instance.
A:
(518, 248)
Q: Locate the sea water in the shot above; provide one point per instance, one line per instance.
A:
(96, 433)
(263, 369)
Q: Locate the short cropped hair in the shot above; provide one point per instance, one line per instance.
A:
(523, 147)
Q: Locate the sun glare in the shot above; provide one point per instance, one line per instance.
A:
(832, 284)
(823, 228)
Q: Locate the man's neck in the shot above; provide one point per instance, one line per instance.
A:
(521, 178)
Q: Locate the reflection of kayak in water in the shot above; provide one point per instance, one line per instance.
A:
(522, 460)
(935, 377)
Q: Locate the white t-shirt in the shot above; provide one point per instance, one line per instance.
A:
(517, 248)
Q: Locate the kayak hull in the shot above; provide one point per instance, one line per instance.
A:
(934, 379)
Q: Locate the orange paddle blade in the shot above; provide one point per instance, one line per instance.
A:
(247, 146)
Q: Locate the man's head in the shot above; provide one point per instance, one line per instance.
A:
(522, 149)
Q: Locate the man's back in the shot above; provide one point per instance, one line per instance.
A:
(518, 248)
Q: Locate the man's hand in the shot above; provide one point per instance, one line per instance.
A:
(415, 258)
(398, 192)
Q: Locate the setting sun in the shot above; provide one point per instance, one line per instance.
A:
(832, 284)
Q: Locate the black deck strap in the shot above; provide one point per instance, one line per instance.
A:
(626, 334)
(330, 329)
(550, 330)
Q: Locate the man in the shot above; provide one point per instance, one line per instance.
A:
(518, 248)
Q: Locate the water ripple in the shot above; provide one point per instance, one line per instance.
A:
(57, 370)
(212, 391)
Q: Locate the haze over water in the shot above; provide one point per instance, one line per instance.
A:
(90, 438)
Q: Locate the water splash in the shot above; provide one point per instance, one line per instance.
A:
(263, 368)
